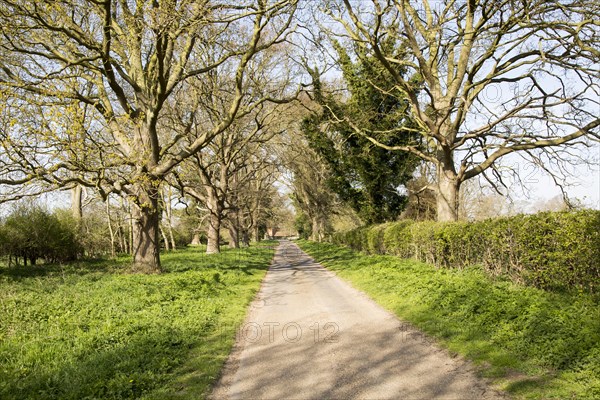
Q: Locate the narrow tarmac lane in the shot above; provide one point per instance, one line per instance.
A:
(309, 335)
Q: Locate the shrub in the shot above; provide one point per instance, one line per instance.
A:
(303, 225)
(183, 236)
(550, 250)
(3, 240)
(375, 242)
(355, 238)
(397, 239)
(31, 233)
(423, 239)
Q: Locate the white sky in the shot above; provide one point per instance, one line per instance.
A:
(585, 186)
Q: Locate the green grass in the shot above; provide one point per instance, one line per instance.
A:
(91, 330)
(533, 344)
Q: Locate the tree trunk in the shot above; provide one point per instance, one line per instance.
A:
(234, 236)
(256, 233)
(196, 239)
(110, 229)
(245, 237)
(146, 244)
(76, 202)
(165, 240)
(447, 194)
(172, 237)
(317, 234)
(131, 228)
(127, 226)
(214, 226)
(169, 211)
(122, 239)
(234, 230)
(213, 244)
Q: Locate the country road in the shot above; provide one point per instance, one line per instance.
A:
(310, 335)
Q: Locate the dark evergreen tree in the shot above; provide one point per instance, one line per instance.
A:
(364, 176)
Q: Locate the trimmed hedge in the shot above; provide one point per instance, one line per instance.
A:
(550, 250)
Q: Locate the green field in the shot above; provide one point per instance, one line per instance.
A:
(531, 343)
(92, 330)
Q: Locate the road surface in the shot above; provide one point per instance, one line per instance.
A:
(310, 335)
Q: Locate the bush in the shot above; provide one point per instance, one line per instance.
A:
(375, 242)
(550, 250)
(536, 344)
(30, 233)
(303, 225)
(397, 239)
(3, 240)
(183, 236)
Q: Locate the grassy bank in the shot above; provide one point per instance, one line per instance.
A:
(91, 330)
(533, 343)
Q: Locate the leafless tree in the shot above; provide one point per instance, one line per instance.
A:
(310, 191)
(218, 175)
(483, 79)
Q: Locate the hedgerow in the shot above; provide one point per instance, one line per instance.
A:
(550, 250)
(536, 344)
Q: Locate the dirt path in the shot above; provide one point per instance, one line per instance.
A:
(309, 335)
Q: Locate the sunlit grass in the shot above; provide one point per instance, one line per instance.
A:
(92, 330)
(532, 343)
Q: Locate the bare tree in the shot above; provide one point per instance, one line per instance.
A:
(217, 175)
(254, 195)
(251, 193)
(484, 79)
(310, 192)
(127, 61)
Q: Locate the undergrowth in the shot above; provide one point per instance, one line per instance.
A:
(92, 330)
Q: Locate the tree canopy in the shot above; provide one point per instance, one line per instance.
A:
(365, 176)
(484, 79)
(136, 107)
(96, 92)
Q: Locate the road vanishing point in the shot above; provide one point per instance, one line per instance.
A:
(310, 335)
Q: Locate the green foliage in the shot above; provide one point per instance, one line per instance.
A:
(550, 250)
(375, 243)
(534, 343)
(90, 330)
(365, 176)
(303, 225)
(183, 236)
(31, 233)
(3, 240)
(397, 239)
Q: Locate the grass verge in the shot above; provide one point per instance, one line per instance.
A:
(91, 330)
(534, 344)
